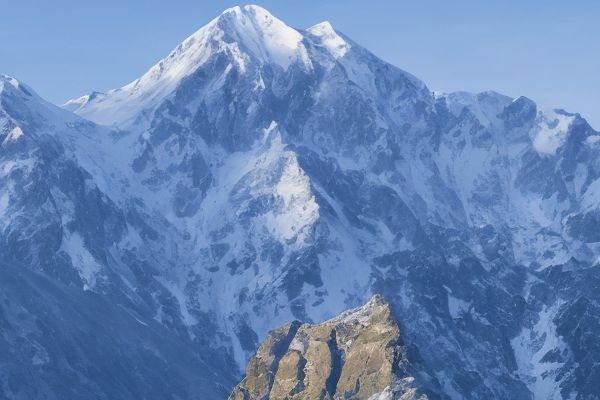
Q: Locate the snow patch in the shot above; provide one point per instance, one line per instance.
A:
(457, 307)
(592, 139)
(4, 201)
(300, 209)
(551, 132)
(385, 395)
(85, 263)
(13, 135)
(75, 104)
(330, 39)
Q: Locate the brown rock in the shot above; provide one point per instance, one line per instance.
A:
(357, 355)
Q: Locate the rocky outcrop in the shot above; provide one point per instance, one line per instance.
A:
(357, 355)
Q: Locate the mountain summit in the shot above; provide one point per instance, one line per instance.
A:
(242, 40)
(241, 34)
(261, 174)
(357, 355)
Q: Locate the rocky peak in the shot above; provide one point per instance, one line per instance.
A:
(356, 355)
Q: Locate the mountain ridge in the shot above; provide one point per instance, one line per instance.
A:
(215, 36)
(252, 192)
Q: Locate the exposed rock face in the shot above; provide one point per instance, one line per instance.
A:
(358, 355)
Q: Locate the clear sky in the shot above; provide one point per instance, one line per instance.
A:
(547, 50)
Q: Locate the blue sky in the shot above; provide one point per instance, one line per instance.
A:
(546, 50)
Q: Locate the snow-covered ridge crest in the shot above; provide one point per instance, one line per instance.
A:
(241, 41)
(28, 108)
(240, 32)
(75, 104)
(362, 314)
(7, 80)
(267, 37)
(10, 86)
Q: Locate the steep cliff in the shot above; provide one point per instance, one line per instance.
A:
(357, 355)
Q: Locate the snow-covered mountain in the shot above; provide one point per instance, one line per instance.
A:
(260, 174)
(71, 323)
